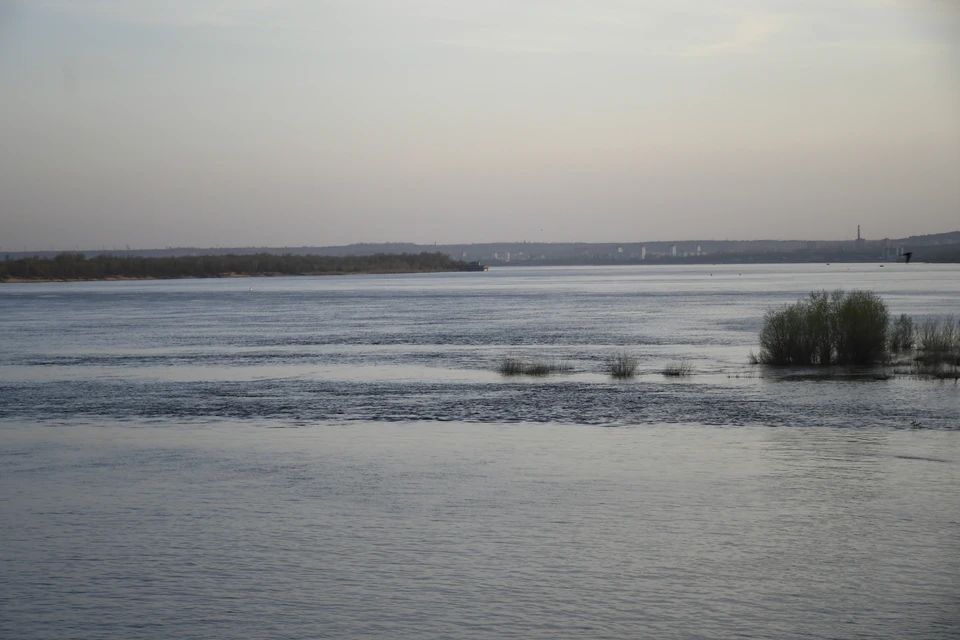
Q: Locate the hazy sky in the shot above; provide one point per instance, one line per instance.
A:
(290, 122)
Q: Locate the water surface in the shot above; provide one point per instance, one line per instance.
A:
(336, 457)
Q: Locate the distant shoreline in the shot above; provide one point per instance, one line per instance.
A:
(75, 267)
(935, 247)
(120, 278)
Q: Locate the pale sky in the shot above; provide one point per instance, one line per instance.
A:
(309, 122)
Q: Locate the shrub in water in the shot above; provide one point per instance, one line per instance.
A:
(841, 328)
(622, 365)
(783, 337)
(511, 367)
(678, 369)
(518, 367)
(901, 333)
(862, 321)
(938, 345)
(938, 335)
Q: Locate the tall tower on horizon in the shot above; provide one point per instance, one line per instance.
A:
(858, 232)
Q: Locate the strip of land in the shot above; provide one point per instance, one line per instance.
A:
(68, 267)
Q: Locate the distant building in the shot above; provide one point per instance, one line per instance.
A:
(673, 250)
(860, 242)
(643, 253)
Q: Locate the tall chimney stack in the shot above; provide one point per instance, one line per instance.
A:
(858, 232)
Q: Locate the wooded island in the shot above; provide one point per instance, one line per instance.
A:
(75, 266)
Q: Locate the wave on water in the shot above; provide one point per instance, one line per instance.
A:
(313, 401)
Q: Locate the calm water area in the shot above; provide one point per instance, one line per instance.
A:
(337, 457)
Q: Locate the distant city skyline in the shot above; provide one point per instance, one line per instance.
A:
(11, 248)
(947, 238)
(290, 123)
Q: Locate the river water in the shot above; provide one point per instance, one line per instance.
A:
(337, 457)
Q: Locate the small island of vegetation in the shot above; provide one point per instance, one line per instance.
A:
(855, 328)
(75, 266)
(844, 335)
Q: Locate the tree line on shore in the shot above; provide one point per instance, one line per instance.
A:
(75, 266)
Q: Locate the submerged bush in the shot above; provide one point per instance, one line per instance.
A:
(901, 333)
(820, 324)
(623, 365)
(518, 367)
(938, 347)
(835, 328)
(678, 369)
(861, 328)
(511, 367)
(938, 335)
(782, 337)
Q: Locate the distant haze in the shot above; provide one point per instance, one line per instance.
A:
(318, 122)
